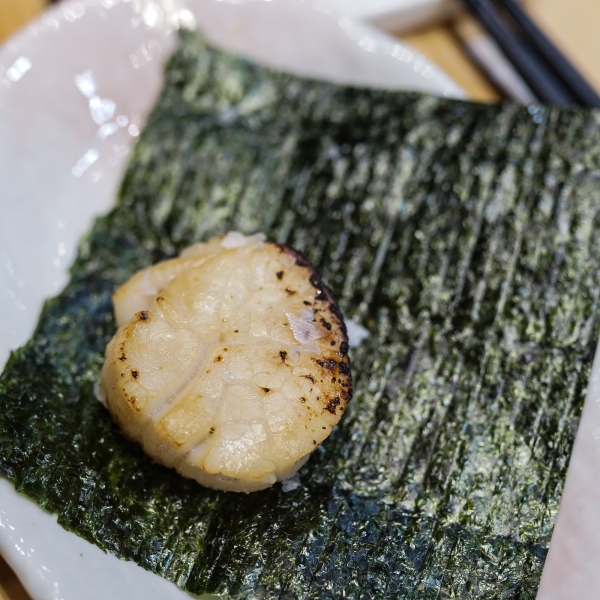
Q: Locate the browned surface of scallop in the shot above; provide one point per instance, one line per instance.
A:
(234, 368)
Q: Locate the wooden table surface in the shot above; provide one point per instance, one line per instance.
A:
(571, 24)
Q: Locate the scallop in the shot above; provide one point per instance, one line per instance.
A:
(230, 363)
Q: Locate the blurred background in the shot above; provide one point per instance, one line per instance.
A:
(455, 42)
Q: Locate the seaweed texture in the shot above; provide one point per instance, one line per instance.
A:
(462, 236)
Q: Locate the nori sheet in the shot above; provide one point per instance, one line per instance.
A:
(462, 236)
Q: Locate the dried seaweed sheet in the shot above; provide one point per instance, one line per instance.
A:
(462, 236)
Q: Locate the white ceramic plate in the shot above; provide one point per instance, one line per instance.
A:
(75, 88)
(398, 15)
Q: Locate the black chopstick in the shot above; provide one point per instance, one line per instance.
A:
(563, 68)
(542, 80)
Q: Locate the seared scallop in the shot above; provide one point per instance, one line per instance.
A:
(230, 363)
